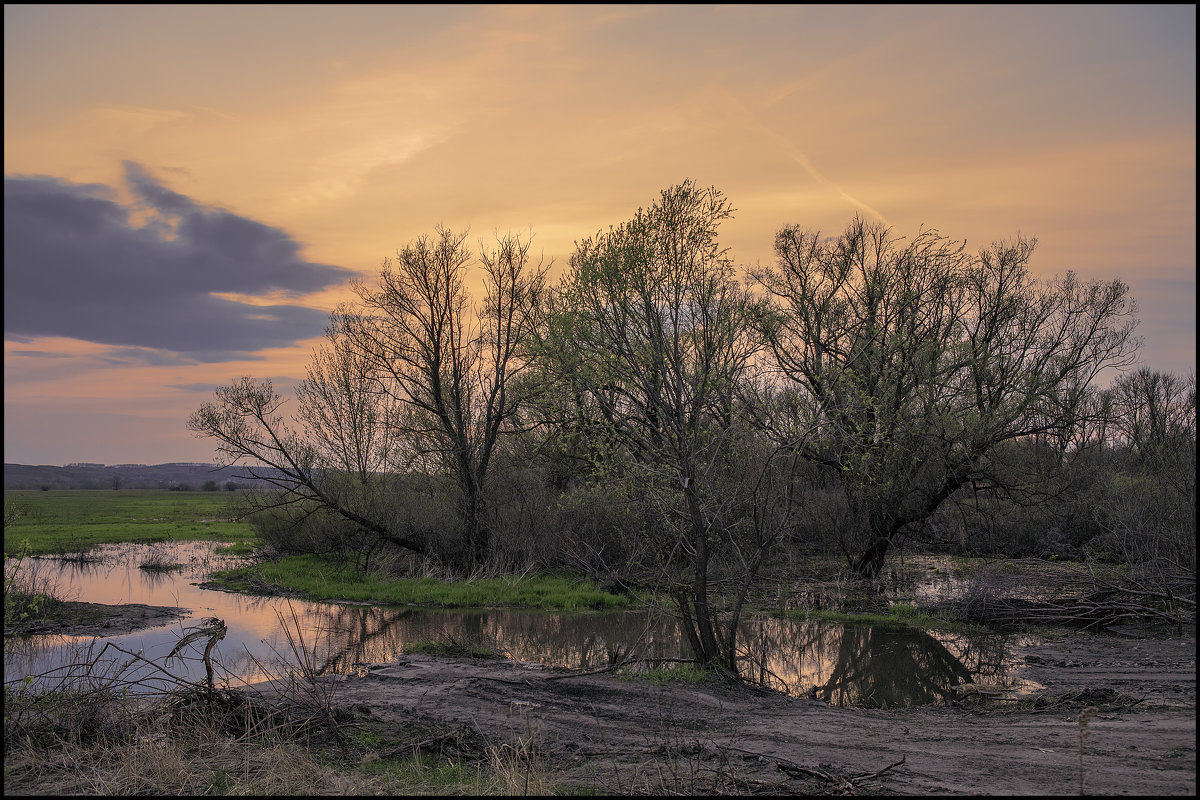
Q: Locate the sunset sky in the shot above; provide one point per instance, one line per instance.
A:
(189, 189)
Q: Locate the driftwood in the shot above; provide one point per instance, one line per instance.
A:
(213, 630)
(1094, 612)
(1094, 604)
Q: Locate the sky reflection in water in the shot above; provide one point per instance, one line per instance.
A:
(843, 665)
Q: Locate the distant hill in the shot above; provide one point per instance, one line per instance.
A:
(181, 476)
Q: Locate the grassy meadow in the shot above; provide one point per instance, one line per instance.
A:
(75, 520)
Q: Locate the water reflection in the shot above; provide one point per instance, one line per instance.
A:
(872, 666)
(843, 665)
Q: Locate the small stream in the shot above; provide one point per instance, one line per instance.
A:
(845, 665)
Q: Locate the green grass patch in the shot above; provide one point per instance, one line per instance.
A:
(73, 521)
(674, 673)
(315, 578)
(449, 649)
(364, 737)
(899, 615)
(246, 548)
(426, 775)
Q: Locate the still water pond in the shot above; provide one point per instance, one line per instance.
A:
(841, 664)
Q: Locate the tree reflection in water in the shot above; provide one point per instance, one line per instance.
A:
(869, 666)
(843, 665)
(365, 635)
(885, 668)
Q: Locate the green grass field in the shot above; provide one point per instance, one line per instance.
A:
(318, 579)
(73, 521)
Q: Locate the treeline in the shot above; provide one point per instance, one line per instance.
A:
(179, 476)
(660, 418)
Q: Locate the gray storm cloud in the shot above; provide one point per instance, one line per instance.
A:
(77, 265)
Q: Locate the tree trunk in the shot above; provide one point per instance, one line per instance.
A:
(870, 563)
(709, 652)
(475, 517)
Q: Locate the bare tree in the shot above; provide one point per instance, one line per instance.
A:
(914, 361)
(1147, 503)
(415, 377)
(345, 417)
(1157, 417)
(246, 421)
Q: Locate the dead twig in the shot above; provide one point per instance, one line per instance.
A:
(212, 628)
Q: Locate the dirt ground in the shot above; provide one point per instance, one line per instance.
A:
(626, 735)
(623, 735)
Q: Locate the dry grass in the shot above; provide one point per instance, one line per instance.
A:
(516, 768)
(193, 760)
(199, 758)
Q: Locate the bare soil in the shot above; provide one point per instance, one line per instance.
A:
(621, 735)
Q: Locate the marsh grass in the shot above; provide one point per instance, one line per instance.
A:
(195, 758)
(517, 768)
(682, 672)
(425, 774)
(900, 615)
(1085, 718)
(31, 591)
(157, 560)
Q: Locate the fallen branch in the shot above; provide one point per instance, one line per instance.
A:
(796, 770)
(844, 783)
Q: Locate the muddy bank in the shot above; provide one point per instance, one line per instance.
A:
(74, 618)
(620, 735)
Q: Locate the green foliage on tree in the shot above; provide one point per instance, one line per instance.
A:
(649, 335)
(913, 362)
